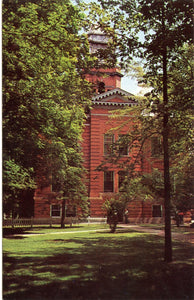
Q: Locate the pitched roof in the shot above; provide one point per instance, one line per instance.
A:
(116, 97)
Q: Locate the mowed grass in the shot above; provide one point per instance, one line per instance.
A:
(90, 263)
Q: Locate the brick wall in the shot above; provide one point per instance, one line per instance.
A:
(97, 124)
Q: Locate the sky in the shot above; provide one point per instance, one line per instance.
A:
(130, 85)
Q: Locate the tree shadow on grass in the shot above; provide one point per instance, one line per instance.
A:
(101, 268)
(11, 231)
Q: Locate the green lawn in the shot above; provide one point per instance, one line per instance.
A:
(80, 263)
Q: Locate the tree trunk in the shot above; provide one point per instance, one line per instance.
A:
(63, 213)
(142, 210)
(168, 243)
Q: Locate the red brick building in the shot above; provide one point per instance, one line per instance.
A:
(97, 139)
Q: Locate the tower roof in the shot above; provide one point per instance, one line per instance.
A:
(96, 30)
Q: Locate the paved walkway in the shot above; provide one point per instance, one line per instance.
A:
(60, 232)
(183, 237)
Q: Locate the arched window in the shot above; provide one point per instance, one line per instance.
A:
(101, 87)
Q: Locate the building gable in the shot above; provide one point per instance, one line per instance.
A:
(115, 97)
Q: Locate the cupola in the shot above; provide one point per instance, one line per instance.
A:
(97, 39)
(103, 80)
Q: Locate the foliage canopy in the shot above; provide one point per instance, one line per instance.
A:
(44, 94)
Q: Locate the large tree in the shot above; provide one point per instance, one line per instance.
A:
(153, 31)
(44, 96)
(181, 130)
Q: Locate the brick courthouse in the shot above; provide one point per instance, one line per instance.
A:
(96, 144)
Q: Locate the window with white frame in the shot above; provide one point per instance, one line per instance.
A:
(122, 176)
(108, 181)
(55, 210)
(108, 143)
(123, 144)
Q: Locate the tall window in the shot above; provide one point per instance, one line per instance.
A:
(101, 87)
(121, 178)
(108, 181)
(156, 211)
(108, 143)
(55, 210)
(156, 146)
(123, 144)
